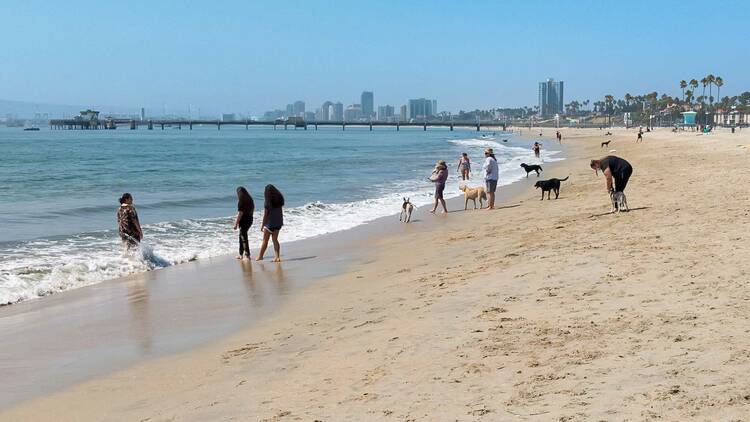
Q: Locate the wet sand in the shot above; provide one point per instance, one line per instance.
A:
(553, 310)
(95, 330)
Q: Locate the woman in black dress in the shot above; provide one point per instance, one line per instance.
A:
(273, 220)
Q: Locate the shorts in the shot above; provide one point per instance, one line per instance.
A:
(491, 185)
(439, 188)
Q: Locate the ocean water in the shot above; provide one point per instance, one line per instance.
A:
(59, 191)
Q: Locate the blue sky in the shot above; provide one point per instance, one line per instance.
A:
(250, 56)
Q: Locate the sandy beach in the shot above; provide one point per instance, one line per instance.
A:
(540, 310)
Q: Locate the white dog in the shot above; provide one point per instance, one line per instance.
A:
(406, 209)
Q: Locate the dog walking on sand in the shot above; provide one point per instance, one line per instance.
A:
(473, 194)
(407, 208)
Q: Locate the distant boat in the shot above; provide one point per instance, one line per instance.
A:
(31, 128)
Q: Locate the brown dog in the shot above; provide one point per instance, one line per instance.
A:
(473, 194)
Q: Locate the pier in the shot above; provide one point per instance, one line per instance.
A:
(78, 124)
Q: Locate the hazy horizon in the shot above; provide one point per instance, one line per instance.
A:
(250, 57)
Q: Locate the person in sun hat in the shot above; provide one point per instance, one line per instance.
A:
(439, 176)
(490, 176)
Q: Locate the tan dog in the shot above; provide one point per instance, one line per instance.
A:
(473, 194)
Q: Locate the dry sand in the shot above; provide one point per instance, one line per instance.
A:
(551, 310)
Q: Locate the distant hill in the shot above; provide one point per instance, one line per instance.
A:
(29, 110)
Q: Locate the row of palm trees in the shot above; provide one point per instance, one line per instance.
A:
(709, 80)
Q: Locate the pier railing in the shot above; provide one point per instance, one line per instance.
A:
(77, 124)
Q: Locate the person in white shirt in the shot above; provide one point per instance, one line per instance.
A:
(490, 176)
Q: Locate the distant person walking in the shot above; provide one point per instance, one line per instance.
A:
(273, 220)
(464, 166)
(439, 177)
(490, 176)
(537, 149)
(128, 224)
(244, 219)
(615, 170)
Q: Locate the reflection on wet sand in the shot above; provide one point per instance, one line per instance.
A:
(139, 320)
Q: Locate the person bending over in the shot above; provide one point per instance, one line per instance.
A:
(616, 171)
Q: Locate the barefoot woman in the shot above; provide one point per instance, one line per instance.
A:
(273, 220)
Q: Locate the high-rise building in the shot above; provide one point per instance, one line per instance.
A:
(325, 111)
(550, 98)
(299, 108)
(353, 113)
(338, 112)
(422, 108)
(368, 104)
(385, 113)
(404, 113)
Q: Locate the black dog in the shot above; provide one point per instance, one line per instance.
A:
(530, 168)
(549, 186)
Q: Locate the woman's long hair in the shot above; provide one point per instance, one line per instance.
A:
(125, 198)
(245, 200)
(274, 198)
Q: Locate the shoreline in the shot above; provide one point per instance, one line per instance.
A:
(550, 308)
(177, 309)
(90, 256)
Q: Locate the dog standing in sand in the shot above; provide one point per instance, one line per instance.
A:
(407, 208)
(619, 202)
(473, 194)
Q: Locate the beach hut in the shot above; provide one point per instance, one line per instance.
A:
(688, 118)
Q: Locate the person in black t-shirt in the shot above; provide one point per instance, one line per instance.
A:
(615, 170)
(245, 209)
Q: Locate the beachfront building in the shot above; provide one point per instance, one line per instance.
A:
(422, 108)
(385, 113)
(88, 116)
(368, 104)
(550, 98)
(732, 118)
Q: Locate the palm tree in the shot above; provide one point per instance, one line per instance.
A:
(608, 100)
(683, 85)
(719, 82)
(693, 85)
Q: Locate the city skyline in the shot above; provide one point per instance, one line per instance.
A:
(247, 60)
